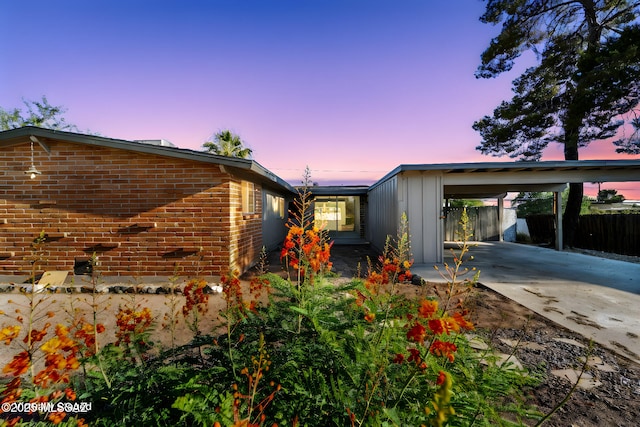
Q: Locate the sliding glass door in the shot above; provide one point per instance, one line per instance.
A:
(339, 215)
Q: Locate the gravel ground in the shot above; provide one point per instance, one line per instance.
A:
(609, 390)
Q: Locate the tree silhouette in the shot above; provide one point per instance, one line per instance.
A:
(586, 85)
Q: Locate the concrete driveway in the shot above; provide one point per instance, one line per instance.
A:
(596, 297)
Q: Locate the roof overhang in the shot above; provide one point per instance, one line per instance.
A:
(492, 179)
(245, 167)
(338, 190)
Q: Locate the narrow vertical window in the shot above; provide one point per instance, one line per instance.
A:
(248, 198)
(281, 207)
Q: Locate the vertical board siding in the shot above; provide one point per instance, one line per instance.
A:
(619, 233)
(428, 247)
(616, 233)
(419, 196)
(415, 205)
(484, 223)
(382, 216)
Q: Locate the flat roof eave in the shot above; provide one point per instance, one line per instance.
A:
(593, 171)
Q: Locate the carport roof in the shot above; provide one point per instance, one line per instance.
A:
(491, 179)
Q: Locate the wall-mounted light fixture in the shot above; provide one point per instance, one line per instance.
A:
(32, 171)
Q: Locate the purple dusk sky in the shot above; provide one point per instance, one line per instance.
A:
(351, 88)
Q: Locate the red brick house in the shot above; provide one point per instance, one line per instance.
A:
(143, 208)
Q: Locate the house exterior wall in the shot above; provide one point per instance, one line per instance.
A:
(383, 213)
(274, 218)
(245, 234)
(141, 214)
(420, 196)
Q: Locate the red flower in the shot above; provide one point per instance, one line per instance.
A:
(131, 322)
(417, 333)
(414, 356)
(436, 326)
(405, 277)
(399, 358)
(12, 391)
(442, 377)
(195, 296)
(36, 335)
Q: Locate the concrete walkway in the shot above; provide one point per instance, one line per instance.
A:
(596, 297)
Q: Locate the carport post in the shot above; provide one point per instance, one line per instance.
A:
(500, 218)
(557, 210)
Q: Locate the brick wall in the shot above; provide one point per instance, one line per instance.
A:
(141, 214)
(246, 229)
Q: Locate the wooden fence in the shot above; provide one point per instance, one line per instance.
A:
(483, 221)
(619, 233)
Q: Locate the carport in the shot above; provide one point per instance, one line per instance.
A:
(419, 190)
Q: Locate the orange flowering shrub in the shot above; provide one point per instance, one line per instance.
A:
(45, 361)
(9, 333)
(378, 358)
(133, 327)
(232, 292)
(250, 401)
(431, 324)
(61, 358)
(307, 251)
(195, 297)
(422, 336)
(196, 303)
(86, 333)
(393, 267)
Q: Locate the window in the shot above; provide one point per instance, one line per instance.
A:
(281, 207)
(248, 198)
(274, 207)
(338, 213)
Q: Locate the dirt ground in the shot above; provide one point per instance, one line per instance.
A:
(610, 389)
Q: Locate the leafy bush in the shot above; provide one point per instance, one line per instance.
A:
(318, 354)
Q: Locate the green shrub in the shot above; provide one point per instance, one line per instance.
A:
(318, 354)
